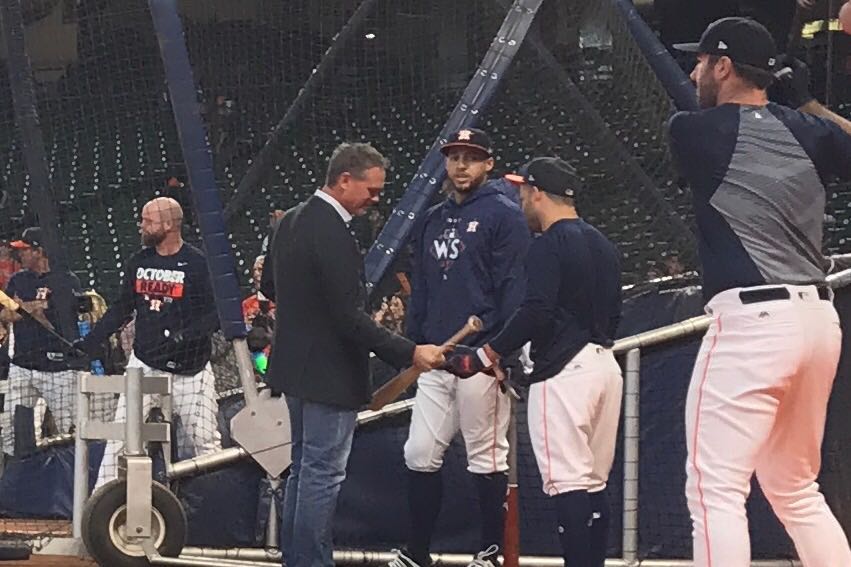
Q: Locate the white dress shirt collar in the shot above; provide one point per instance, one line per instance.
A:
(344, 214)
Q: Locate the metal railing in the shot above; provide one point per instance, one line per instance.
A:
(629, 347)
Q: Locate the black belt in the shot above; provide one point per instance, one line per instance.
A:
(776, 294)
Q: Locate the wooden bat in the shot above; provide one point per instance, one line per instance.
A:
(796, 27)
(402, 381)
(8, 303)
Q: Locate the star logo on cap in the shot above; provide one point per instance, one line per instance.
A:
(464, 135)
(722, 45)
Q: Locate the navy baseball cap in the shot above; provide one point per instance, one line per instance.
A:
(743, 40)
(31, 238)
(550, 174)
(469, 138)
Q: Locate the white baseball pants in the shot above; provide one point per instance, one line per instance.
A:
(59, 390)
(445, 404)
(757, 402)
(573, 422)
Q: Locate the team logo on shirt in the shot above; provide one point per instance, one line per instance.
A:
(472, 226)
(447, 247)
(159, 286)
(42, 294)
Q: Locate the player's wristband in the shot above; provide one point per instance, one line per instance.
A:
(484, 358)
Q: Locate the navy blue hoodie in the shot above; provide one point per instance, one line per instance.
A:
(467, 260)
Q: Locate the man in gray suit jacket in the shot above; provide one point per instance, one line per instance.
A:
(323, 337)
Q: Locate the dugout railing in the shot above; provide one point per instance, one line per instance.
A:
(629, 348)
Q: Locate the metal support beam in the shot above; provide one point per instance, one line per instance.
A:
(81, 462)
(631, 434)
(261, 558)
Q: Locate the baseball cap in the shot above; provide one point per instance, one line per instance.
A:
(31, 238)
(468, 138)
(550, 174)
(743, 40)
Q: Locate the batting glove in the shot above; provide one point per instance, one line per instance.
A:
(792, 86)
(465, 362)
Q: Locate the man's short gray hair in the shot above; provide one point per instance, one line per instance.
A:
(354, 159)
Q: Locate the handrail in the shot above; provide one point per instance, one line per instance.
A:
(698, 324)
(839, 279)
(663, 334)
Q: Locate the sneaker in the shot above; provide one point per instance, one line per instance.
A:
(402, 559)
(486, 558)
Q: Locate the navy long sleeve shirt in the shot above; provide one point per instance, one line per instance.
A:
(175, 310)
(35, 347)
(757, 176)
(573, 297)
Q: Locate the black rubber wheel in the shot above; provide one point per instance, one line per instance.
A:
(104, 524)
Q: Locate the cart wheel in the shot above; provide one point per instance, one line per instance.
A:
(105, 523)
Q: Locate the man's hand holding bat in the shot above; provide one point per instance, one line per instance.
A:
(464, 362)
(423, 361)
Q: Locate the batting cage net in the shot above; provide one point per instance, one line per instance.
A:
(88, 137)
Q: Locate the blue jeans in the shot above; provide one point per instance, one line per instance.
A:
(321, 443)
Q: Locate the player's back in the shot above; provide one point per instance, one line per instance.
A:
(588, 307)
(758, 176)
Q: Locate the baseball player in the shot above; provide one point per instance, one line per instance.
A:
(467, 260)
(40, 365)
(167, 286)
(762, 379)
(570, 314)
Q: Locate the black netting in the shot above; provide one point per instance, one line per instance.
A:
(580, 89)
(318, 73)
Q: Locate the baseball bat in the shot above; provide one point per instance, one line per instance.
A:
(793, 38)
(8, 303)
(402, 381)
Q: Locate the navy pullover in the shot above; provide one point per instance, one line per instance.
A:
(467, 260)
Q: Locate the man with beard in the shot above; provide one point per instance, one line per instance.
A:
(761, 382)
(467, 260)
(166, 285)
(40, 366)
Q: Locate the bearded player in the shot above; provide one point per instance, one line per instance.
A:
(467, 260)
(167, 286)
(758, 397)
